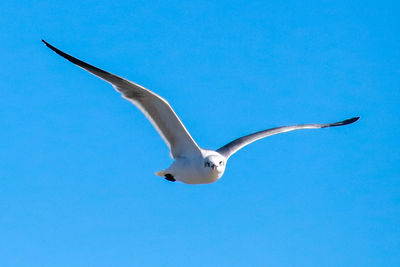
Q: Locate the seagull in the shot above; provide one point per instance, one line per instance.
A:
(192, 164)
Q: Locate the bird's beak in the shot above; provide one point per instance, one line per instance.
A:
(216, 168)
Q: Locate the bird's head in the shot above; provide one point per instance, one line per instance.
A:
(215, 164)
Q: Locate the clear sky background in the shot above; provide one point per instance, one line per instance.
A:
(77, 162)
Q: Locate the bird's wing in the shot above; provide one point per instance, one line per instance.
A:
(154, 107)
(232, 147)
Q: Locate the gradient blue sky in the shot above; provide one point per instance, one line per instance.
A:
(76, 161)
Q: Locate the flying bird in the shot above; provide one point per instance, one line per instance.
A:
(192, 164)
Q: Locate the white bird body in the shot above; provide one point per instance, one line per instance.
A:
(192, 169)
(192, 164)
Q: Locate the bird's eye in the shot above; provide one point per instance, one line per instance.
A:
(207, 164)
(220, 163)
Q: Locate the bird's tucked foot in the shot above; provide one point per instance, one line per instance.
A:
(169, 177)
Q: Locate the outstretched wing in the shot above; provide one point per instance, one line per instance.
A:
(232, 147)
(154, 107)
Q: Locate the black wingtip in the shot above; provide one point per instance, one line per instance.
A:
(345, 122)
(351, 120)
(69, 57)
(355, 119)
(52, 47)
(92, 69)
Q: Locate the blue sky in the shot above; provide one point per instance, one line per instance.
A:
(77, 162)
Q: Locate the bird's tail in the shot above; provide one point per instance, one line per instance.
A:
(161, 173)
